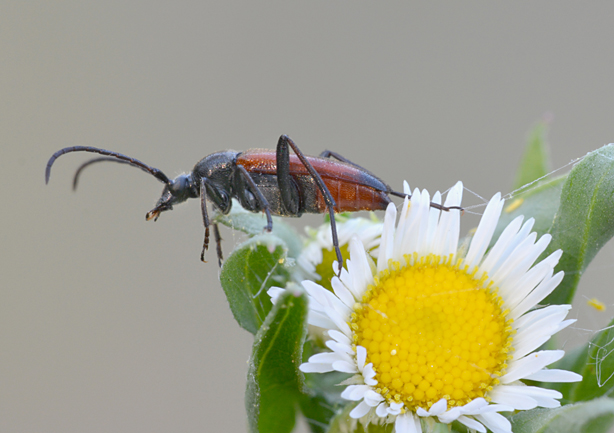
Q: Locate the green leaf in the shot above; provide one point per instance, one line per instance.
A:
(535, 161)
(540, 202)
(253, 268)
(317, 411)
(273, 380)
(584, 221)
(590, 417)
(598, 370)
(253, 224)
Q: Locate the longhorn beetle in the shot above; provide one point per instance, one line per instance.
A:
(277, 183)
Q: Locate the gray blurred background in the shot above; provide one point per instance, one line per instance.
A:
(112, 324)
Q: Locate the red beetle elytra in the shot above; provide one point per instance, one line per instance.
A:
(274, 182)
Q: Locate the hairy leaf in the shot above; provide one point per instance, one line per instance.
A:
(273, 381)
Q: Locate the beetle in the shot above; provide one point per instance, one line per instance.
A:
(273, 182)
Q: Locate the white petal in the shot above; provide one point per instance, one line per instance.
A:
(484, 232)
(355, 392)
(274, 293)
(407, 239)
(495, 408)
(368, 374)
(342, 292)
(522, 254)
(433, 222)
(471, 423)
(325, 358)
(514, 292)
(541, 291)
(359, 256)
(538, 332)
(474, 406)
(358, 268)
(395, 408)
(500, 250)
(444, 231)
(521, 259)
(554, 375)
(339, 348)
(452, 220)
(495, 421)
(382, 410)
(422, 246)
(451, 415)
(438, 408)
(345, 367)
(320, 320)
(422, 412)
(528, 345)
(402, 228)
(339, 321)
(530, 364)
(385, 248)
(406, 188)
(372, 398)
(552, 312)
(361, 357)
(323, 296)
(406, 423)
(519, 401)
(520, 237)
(361, 410)
(339, 337)
(411, 233)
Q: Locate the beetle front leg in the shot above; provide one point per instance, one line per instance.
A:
(203, 208)
(285, 181)
(218, 244)
(262, 201)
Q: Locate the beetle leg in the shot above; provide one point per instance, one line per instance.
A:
(218, 244)
(264, 204)
(283, 165)
(203, 208)
(338, 157)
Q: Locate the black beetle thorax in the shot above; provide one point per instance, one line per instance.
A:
(217, 168)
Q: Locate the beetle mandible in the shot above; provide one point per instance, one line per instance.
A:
(274, 182)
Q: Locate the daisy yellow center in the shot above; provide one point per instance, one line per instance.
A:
(433, 330)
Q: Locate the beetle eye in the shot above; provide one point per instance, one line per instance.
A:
(179, 184)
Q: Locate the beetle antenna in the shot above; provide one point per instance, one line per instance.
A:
(158, 174)
(75, 180)
(433, 205)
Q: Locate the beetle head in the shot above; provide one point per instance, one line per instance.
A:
(176, 191)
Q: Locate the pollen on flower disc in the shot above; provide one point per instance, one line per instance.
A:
(432, 330)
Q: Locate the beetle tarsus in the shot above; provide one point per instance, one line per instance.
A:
(218, 244)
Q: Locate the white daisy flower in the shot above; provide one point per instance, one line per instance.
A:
(430, 334)
(316, 258)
